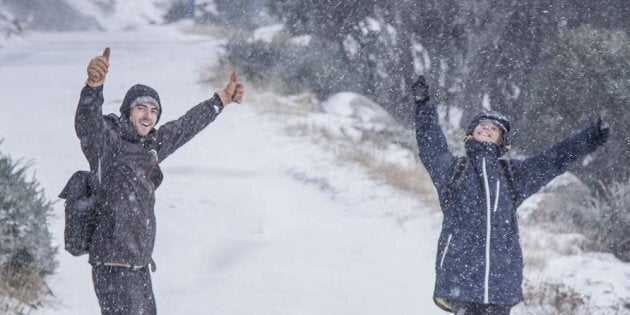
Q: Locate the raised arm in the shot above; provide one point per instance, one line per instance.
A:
(434, 153)
(534, 172)
(176, 133)
(88, 122)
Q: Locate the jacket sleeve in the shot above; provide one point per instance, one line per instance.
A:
(175, 133)
(90, 125)
(432, 145)
(534, 172)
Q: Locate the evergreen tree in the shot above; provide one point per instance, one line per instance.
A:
(586, 76)
(26, 254)
(9, 26)
(474, 54)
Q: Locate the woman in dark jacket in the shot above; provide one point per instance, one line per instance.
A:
(125, 151)
(479, 263)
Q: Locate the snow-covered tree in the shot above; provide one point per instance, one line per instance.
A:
(26, 254)
(586, 76)
(9, 26)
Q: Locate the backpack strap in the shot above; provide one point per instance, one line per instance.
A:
(506, 166)
(456, 180)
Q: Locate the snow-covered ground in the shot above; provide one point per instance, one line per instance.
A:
(281, 206)
(250, 220)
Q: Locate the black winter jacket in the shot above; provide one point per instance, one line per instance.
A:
(130, 173)
(479, 256)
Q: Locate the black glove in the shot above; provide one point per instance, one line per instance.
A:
(603, 131)
(420, 90)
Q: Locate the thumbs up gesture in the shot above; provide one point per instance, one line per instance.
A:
(97, 69)
(233, 92)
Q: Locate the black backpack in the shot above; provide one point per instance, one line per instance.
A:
(81, 210)
(460, 169)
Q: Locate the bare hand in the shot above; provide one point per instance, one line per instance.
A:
(233, 92)
(97, 69)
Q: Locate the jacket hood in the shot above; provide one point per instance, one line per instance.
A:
(136, 91)
(501, 120)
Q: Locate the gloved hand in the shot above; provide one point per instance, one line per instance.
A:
(603, 131)
(97, 69)
(420, 90)
(233, 92)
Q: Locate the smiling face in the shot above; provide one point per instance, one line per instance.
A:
(487, 131)
(143, 117)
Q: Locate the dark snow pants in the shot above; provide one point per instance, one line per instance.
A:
(466, 308)
(122, 290)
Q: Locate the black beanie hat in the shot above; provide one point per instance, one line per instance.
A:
(139, 91)
(496, 117)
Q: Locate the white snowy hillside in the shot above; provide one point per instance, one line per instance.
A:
(82, 15)
(283, 205)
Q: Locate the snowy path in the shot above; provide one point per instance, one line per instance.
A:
(238, 232)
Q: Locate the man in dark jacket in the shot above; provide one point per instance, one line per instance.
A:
(125, 151)
(479, 263)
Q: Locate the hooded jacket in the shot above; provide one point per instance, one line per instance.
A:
(479, 256)
(129, 172)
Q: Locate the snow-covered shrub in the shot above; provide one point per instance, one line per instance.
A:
(567, 205)
(545, 298)
(292, 66)
(26, 254)
(233, 14)
(585, 77)
(9, 26)
(244, 14)
(51, 15)
(558, 206)
(607, 218)
(358, 133)
(181, 9)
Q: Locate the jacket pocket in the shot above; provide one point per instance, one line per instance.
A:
(448, 243)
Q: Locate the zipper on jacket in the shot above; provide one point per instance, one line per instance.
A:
(448, 242)
(496, 197)
(489, 211)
